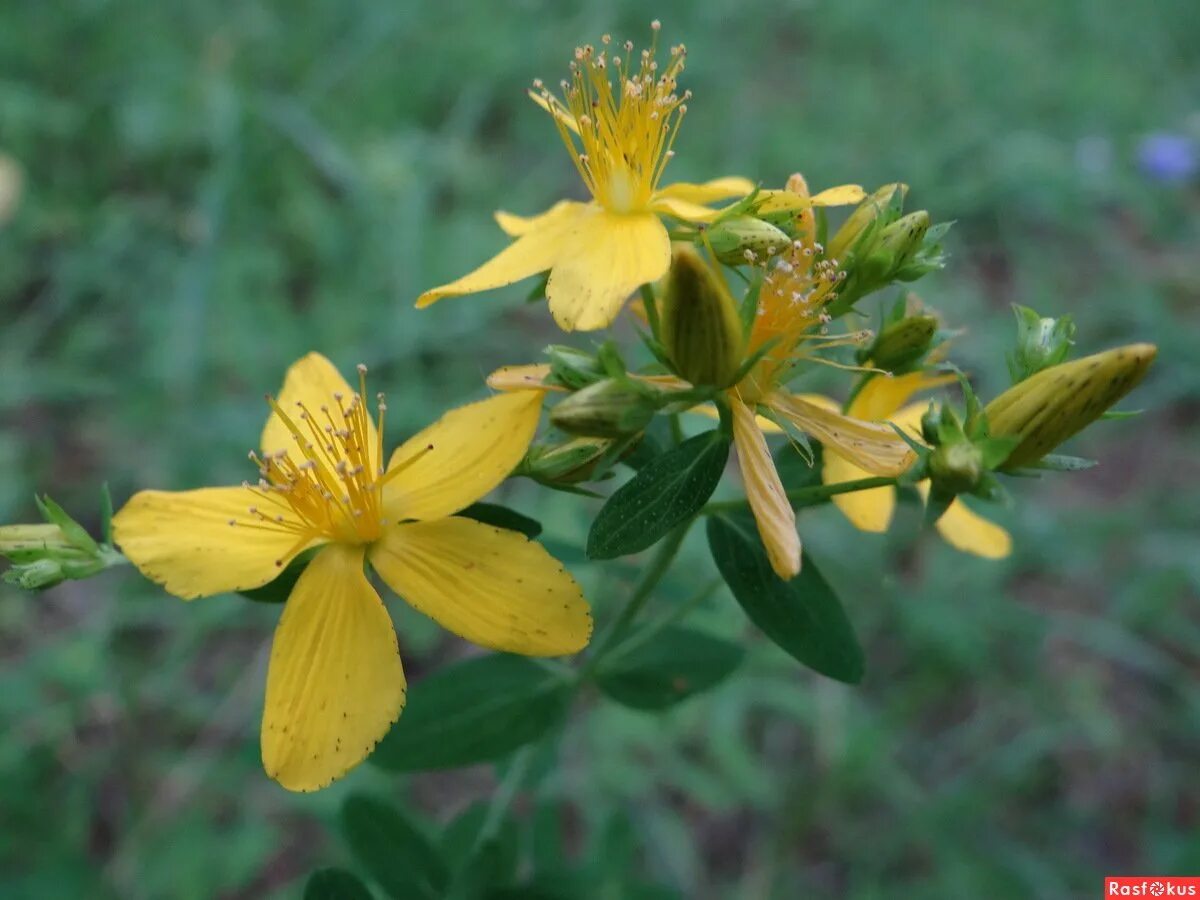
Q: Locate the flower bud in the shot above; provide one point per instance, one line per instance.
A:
(745, 238)
(44, 555)
(1057, 403)
(607, 409)
(904, 237)
(862, 217)
(957, 467)
(699, 322)
(566, 463)
(572, 368)
(902, 343)
(10, 187)
(1041, 342)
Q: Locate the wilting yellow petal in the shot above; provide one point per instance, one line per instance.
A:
(496, 588)
(461, 456)
(964, 529)
(841, 195)
(684, 210)
(533, 252)
(522, 378)
(335, 684)
(607, 257)
(883, 395)
(772, 510)
(869, 510)
(707, 192)
(515, 226)
(869, 445)
(313, 381)
(184, 540)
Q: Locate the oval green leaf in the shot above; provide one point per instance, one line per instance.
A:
(803, 615)
(674, 664)
(472, 712)
(335, 884)
(392, 849)
(668, 490)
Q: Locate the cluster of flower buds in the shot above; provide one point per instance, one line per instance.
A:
(1042, 342)
(56, 550)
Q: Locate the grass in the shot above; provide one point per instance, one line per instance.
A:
(214, 189)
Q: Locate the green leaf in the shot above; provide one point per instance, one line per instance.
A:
(502, 517)
(280, 589)
(803, 615)
(794, 470)
(335, 884)
(672, 665)
(72, 530)
(392, 849)
(668, 491)
(1058, 462)
(472, 712)
(480, 864)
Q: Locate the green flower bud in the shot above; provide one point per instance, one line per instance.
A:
(744, 239)
(903, 238)
(1041, 342)
(957, 467)
(1057, 403)
(572, 368)
(902, 343)
(607, 409)
(567, 463)
(862, 218)
(45, 555)
(699, 322)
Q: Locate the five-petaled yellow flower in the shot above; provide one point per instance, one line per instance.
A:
(619, 137)
(884, 399)
(335, 682)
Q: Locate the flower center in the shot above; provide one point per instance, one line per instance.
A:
(330, 484)
(619, 136)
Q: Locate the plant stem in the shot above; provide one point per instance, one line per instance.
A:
(654, 573)
(651, 304)
(809, 494)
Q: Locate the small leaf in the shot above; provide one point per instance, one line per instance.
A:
(803, 615)
(794, 470)
(392, 849)
(668, 491)
(478, 864)
(72, 530)
(502, 517)
(674, 664)
(280, 589)
(472, 712)
(1058, 462)
(335, 884)
(1119, 414)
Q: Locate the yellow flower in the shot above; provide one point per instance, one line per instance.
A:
(619, 136)
(884, 399)
(335, 682)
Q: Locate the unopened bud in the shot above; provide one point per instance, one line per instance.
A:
(904, 237)
(732, 238)
(956, 467)
(1041, 342)
(10, 187)
(902, 343)
(862, 217)
(700, 326)
(608, 409)
(566, 463)
(1057, 403)
(572, 368)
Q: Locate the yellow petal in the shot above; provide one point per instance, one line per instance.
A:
(883, 395)
(765, 425)
(496, 588)
(334, 684)
(869, 445)
(708, 191)
(772, 510)
(313, 381)
(607, 257)
(684, 210)
(462, 456)
(183, 540)
(869, 510)
(533, 252)
(841, 195)
(515, 226)
(964, 529)
(522, 378)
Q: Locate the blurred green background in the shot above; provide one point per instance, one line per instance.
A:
(212, 189)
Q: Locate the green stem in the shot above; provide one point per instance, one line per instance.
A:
(654, 573)
(673, 615)
(810, 494)
(651, 304)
